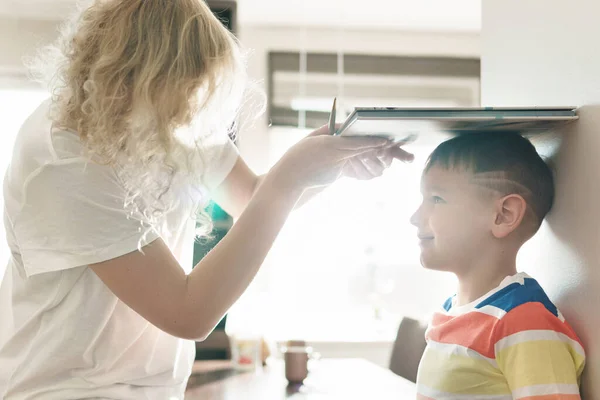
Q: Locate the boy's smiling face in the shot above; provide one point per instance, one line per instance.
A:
(454, 220)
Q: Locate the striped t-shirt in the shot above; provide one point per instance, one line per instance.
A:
(512, 343)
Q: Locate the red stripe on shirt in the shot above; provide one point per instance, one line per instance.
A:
(472, 330)
(439, 318)
(532, 316)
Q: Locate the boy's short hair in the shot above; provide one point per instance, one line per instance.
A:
(503, 161)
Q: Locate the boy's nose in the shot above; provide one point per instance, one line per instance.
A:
(415, 218)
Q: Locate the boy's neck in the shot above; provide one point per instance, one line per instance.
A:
(485, 276)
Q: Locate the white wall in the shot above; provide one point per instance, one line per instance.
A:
(20, 38)
(548, 55)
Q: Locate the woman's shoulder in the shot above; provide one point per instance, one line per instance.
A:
(40, 142)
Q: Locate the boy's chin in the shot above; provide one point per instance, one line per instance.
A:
(434, 265)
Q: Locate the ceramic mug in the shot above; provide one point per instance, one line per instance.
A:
(296, 356)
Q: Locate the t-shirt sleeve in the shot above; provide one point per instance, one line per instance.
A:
(539, 354)
(73, 214)
(221, 155)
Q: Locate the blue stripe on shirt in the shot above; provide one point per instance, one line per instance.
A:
(516, 294)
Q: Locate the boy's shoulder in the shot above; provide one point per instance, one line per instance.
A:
(514, 294)
(522, 291)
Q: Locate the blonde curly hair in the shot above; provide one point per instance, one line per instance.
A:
(146, 84)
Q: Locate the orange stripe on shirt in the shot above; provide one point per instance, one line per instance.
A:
(553, 397)
(472, 330)
(531, 316)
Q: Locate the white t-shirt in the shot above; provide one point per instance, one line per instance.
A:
(63, 333)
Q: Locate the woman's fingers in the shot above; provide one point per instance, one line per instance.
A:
(356, 145)
(373, 164)
(364, 167)
(385, 157)
(360, 171)
(324, 130)
(400, 154)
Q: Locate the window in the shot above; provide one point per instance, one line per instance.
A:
(301, 86)
(346, 266)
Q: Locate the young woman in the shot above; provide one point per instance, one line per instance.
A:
(102, 199)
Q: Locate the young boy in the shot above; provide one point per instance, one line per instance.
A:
(499, 337)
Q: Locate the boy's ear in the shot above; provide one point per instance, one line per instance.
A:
(510, 211)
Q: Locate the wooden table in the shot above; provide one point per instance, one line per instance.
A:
(329, 379)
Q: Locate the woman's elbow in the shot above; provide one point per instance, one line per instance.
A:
(190, 330)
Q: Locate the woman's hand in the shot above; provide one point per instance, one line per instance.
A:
(372, 164)
(320, 159)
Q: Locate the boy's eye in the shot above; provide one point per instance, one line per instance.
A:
(437, 200)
